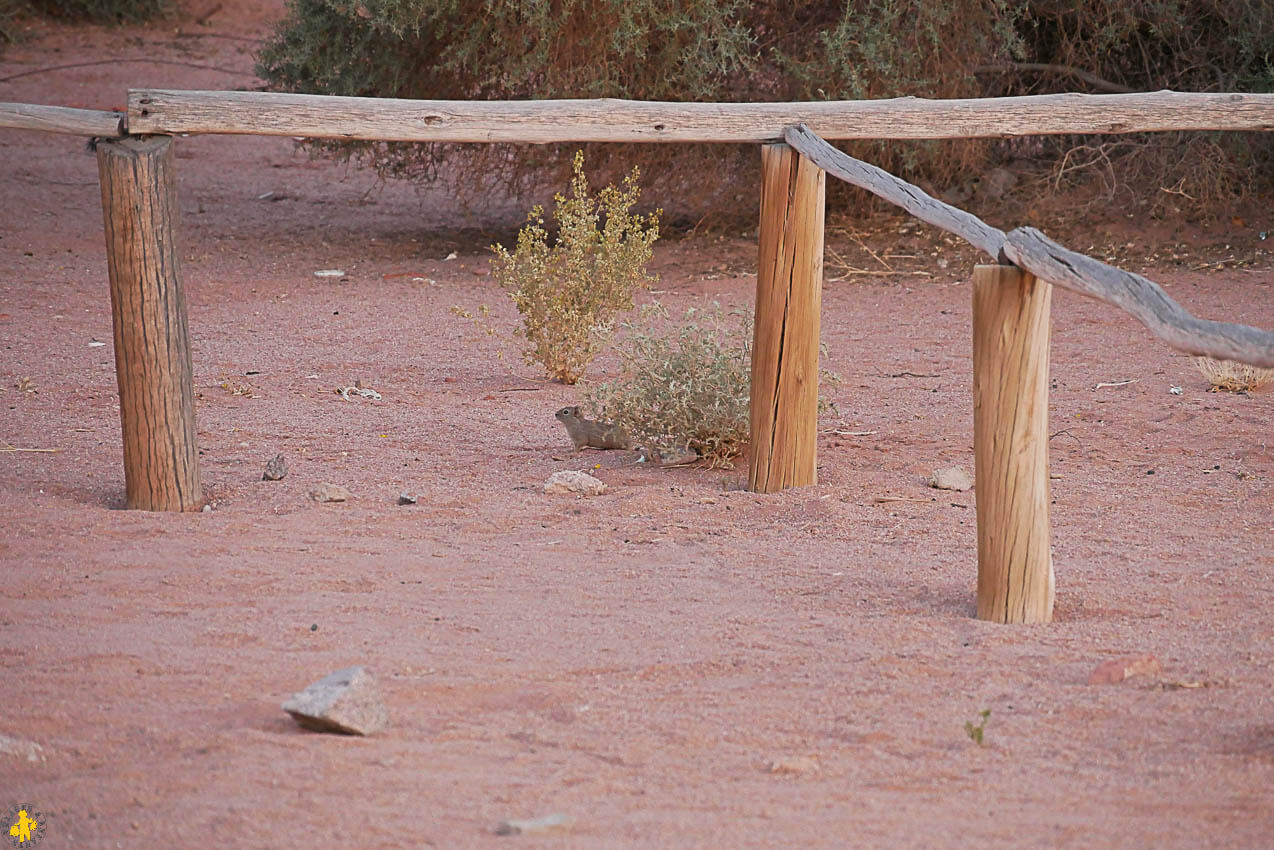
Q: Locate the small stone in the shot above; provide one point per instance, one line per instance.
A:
(405, 498)
(572, 481)
(532, 826)
(348, 702)
(29, 750)
(1116, 670)
(793, 766)
(275, 469)
(662, 456)
(330, 493)
(951, 478)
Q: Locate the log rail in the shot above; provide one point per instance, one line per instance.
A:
(1031, 250)
(1011, 299)
(61, 119)
(612, 120)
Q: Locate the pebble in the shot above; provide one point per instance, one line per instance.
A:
(29, 750)
(532, 826)
(572, 481)
(275, 469)
(347, 701)
(951, 478)
(793, 765)
(405, 498)
(330, 493)
(1116, 670)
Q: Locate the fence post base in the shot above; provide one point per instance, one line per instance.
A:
(789, 283)
(1010, 440)
(152, 343)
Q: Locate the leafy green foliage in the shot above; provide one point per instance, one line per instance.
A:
(976, 730)
(728, 50)
(569, 293)
(100, 11)
(10, 11)
(682, 386)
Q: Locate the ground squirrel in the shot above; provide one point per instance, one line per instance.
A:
(588, 433)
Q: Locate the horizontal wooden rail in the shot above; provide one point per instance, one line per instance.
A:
(607, 120)
(61, 119)
(1029, 249)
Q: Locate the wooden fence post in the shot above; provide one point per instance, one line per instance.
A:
(789, 283)
(1010, 441)
(152, 345)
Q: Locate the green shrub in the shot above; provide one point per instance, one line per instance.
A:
(705, 50)
(96, 11)
(101, 11)
(728, 50)
(685, 386)
(10, 11)
(570, 293)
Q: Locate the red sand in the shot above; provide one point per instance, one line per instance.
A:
(636, 661)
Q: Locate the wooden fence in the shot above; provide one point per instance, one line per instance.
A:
(1011, 296)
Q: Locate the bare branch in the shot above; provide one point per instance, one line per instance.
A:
(897, 191)
(1031, 250)
(1048, 68)
(1142, 298)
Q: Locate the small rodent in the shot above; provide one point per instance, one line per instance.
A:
(588, 433)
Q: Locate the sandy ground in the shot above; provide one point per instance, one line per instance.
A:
(638, 661)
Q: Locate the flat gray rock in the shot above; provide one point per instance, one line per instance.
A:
(28, 750)
(572, 481)
(951, 478)
(275, 469)
(348, 702)
(534, 826)
(327, 492)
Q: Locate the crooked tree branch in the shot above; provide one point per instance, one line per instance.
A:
(897, 191)
(1049, 68)
(1031, 250)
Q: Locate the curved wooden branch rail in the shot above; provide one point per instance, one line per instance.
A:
(1140, 297)
(897, 191)
(61, 119)
(1031, 250)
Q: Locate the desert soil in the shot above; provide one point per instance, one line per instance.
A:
(676, 663)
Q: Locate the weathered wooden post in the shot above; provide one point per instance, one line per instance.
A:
(152, 345)
(1010, 443)
(789, 284)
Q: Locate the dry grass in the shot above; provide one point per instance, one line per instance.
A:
(570, 292)
(1233, 377)
(682, 385)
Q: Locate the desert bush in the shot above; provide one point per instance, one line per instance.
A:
(705, 50)
(10, 12)
(727, 50)
(1146, 45)
(1233, 377)
(100, 11)
(570, 293)
(682, 386)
